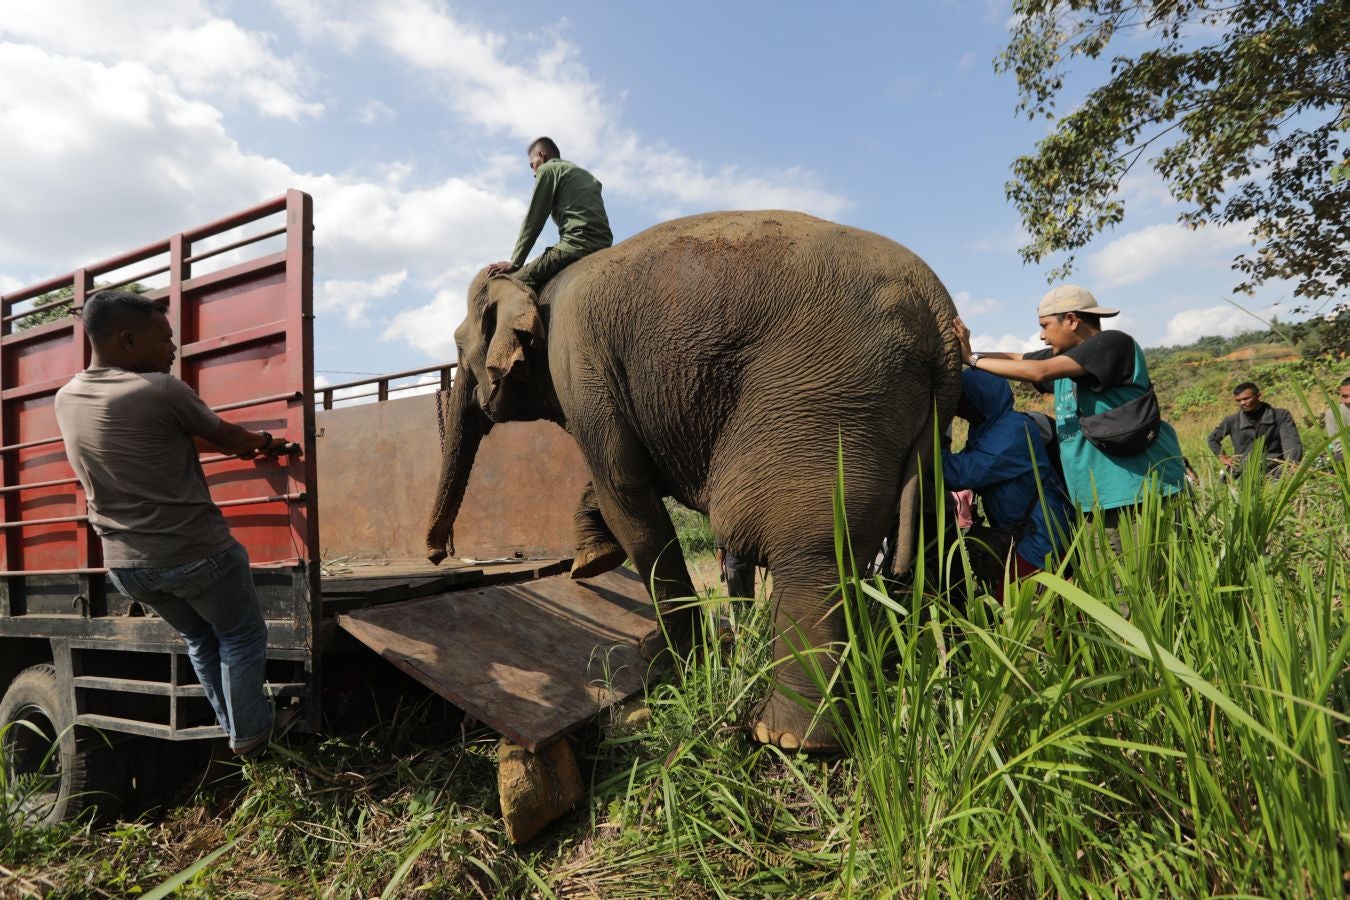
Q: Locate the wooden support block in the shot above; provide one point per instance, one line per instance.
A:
(536, 788)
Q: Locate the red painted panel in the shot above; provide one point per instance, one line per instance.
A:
(54, 355)
(235, 375)
(212, 310)
(229, 306)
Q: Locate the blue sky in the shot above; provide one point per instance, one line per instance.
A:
(127, 120)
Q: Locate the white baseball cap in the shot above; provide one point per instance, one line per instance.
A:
(1072, 298)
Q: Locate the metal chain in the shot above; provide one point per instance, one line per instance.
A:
(440, 415)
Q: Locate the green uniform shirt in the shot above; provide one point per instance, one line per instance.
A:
(571, 195)
(1116, 374)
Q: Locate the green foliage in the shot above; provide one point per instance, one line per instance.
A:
(1194, 398)
(56, 313)
(42, 317)
(692, 528)
(1051, 743)
(1300, 375)
(1240, 107)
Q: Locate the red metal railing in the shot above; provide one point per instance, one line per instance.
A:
(383, 387)
(246, 347)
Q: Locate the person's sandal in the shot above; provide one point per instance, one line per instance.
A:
(282, 722)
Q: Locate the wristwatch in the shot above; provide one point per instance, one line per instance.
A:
(975, 359)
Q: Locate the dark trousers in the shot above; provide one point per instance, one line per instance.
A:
(740, 576)
(552, 261)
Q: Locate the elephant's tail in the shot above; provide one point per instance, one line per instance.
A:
(906, 532)
(946, 392)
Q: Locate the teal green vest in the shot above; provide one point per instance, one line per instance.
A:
(1097, 480)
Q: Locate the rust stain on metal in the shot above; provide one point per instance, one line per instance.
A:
(532, 660)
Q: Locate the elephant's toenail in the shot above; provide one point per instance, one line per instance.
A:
(789, 742)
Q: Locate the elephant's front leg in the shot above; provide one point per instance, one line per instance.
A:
(597, 549)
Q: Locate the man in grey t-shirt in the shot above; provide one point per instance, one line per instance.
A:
(130, 429)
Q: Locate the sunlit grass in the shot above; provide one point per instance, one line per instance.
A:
(1046, 745)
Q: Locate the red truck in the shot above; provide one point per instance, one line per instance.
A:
(96, 690)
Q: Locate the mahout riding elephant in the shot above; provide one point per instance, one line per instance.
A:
(723, 360)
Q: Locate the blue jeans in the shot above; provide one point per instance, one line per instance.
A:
(213, 604)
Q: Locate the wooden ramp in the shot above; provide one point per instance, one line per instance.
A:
(532, 659)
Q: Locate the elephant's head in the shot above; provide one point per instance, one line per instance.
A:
(502, 376)
(500, 343)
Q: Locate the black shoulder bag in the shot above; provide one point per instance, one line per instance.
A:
(1127, 430)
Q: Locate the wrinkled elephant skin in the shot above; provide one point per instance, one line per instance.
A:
(724, 359)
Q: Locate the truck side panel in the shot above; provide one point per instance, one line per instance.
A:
(238, 294)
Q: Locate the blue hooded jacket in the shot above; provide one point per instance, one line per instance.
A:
(997, 463)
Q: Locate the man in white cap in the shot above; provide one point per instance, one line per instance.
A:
(1092, 372)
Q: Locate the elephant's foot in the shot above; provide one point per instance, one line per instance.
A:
(597, 559)
(784, 723)
(676, 636)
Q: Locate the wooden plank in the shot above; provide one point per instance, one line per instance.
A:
(165, 689)
(137, 686)
(533, 659)
(149, 729)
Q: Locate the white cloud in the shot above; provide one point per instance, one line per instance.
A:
(1140, 254)
(969, 307)
(72, 123)
(549, 91)
(353, 298)
(116, 112)
(1008, 343)
(373, 112)
(1007, 240)
(431, 327)
(176, 165)
(1224, 320)
(204, 55)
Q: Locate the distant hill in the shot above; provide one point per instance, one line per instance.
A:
(1198, 379)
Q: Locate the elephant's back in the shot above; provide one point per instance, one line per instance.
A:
(723, 277)
(747, 237)
(732, 323)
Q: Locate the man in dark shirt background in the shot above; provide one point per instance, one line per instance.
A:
(1256, 419)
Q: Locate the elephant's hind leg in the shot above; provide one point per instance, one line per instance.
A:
(805, 658)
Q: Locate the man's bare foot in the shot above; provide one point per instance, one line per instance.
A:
(596, 560)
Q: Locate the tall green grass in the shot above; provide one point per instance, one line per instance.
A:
(1043, 746)
(1049, 744)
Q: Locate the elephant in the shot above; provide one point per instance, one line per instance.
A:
(725, 360)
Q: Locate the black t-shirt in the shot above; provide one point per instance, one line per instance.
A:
(1107, 357)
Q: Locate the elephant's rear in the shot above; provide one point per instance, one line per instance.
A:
(753, 346)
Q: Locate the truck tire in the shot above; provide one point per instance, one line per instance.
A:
(56, 769)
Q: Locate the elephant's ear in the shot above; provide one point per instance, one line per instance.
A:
(518, 325)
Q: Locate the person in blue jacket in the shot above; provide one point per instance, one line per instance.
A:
(1001, 461)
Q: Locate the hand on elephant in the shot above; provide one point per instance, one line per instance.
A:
(500, 268)
(963, 335)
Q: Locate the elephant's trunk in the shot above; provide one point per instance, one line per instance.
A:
(465, 425)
